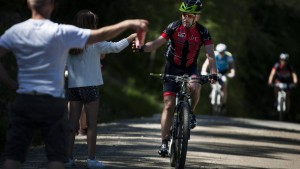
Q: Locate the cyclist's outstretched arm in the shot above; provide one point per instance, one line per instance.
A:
(152, 45)
(210, 54)
(109, 32)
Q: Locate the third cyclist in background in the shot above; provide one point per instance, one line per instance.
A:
(283, 72)
(225, 66)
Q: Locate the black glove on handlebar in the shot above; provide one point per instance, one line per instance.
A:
(213, 77)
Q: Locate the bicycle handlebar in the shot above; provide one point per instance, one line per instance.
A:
(284, 85)
(202, 79)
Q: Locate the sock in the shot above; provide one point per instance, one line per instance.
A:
(164, 141)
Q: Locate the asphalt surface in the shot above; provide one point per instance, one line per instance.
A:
(216, 143)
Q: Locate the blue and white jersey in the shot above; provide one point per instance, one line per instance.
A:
(223, 62)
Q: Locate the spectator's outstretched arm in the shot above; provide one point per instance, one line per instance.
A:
(4, 77)
(109, 32)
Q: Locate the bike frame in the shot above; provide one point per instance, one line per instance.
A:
(181, 97)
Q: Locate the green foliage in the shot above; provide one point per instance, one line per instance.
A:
(123, 99)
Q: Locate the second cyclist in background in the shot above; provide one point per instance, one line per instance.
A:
(225, 66)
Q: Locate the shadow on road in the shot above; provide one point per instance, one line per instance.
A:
(133, 144)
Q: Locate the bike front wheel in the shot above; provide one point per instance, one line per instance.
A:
(183, 135)
(281, 108)
(217, 103)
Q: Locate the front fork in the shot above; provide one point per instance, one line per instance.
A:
(175, 118)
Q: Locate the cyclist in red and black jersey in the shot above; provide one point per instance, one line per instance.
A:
(185, 38)
(283, 72)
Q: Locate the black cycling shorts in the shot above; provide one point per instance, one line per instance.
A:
(85, 94)
(170, 88)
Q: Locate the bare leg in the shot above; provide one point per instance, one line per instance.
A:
(92, 109)
(11, 164)
(75, 110)
(82, 120)
(224, 90)
(167, 116)
(195, 94)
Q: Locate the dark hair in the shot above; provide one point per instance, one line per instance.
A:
(84, 19)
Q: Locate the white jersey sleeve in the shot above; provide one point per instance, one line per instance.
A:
(111, 47)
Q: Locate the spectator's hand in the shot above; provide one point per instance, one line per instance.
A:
(138, 24)
(131, 37)
(134, 48)
(137, 49)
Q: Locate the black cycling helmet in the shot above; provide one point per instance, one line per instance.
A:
(191, 6)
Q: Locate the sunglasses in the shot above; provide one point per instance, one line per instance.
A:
(189, 15)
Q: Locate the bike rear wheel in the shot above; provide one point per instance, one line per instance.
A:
(183, 135)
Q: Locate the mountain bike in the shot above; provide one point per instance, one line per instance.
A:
(282, 99)
(216, 95)
(180, 131)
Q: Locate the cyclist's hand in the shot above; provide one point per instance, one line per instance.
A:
(137, 49)
(204, 73)
(230, 75)
(293, 85)
(213, 78)
(270, 84)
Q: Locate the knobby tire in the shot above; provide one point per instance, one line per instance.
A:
(183, 134)
(281, 111)
(217, 108)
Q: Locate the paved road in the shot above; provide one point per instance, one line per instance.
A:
(217, 143)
